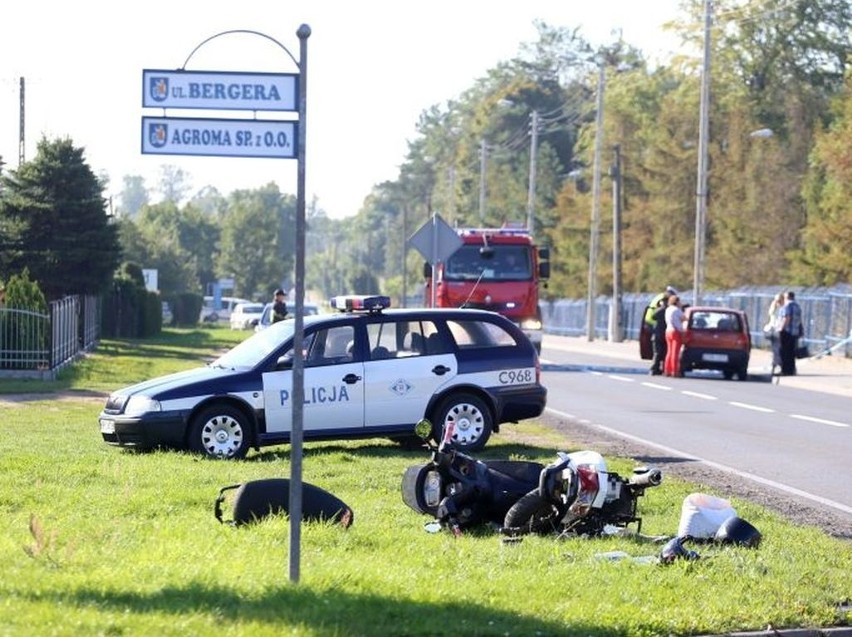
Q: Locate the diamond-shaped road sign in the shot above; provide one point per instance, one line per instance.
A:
(435, 240)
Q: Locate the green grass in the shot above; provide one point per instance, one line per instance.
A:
(100, 541)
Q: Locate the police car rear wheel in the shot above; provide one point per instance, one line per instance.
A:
(471, 417)
(220, 432)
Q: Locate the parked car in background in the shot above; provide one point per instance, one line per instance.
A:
(266, 317)
(212, 314)
(716, 338)
(245, 315)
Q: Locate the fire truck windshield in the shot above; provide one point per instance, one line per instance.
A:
(499, 263)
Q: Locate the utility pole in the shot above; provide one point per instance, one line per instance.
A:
(596, 207)
(403, 264)
(533, 153)
(21, 142)
(703, 140)
(483, 159)
(615, 328)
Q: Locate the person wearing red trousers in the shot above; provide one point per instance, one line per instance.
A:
(675, 319)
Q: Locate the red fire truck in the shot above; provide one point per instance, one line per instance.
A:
(497, 269)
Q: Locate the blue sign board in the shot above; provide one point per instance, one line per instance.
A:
(219, 137)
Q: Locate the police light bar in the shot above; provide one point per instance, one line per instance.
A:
(360, 303)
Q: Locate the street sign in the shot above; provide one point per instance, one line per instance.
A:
(218, 137)
(220, 90)
(435, 240)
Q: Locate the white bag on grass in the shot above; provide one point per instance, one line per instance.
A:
(701, 515)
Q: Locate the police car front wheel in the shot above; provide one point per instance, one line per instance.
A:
(220, 431)
(471, 417)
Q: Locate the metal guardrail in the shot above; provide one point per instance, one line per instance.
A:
(827, 315)
(38, 345)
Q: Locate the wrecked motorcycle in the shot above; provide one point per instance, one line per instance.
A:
(576, 494)
(459, 490)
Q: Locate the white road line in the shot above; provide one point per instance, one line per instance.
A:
(743, 474)
(695, 394)
(656, 386)
(765, 410)
(821, 421)
(623, 379)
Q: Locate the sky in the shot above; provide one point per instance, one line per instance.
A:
(373, 67)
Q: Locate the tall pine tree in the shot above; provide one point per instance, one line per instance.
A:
(54, 222)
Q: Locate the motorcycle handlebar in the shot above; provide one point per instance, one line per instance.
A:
(651, 478)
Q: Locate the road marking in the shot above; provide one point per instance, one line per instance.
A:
(623, 379)
(821, 421)
(764, 410)
(656, 386)
(695, 394)
(743, 474)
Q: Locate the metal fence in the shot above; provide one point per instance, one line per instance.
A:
(38, 345)
(827, 314)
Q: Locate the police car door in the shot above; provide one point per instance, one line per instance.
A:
(334, 386)
(407, 366)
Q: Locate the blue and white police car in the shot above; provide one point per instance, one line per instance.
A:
(369, 371)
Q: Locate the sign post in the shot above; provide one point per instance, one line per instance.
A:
(281, 92)
(437, 242)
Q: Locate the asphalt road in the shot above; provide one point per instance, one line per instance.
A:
(789, 444)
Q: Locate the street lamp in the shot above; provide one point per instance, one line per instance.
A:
(596, 207)
(703, 161)
(615, 331)
(533, 153)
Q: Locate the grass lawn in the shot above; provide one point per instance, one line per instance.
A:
(100, 541)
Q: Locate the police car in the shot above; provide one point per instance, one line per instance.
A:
(368, 371)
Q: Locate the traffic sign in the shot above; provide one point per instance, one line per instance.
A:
(220, 90)
(218, 137)
(435, 240)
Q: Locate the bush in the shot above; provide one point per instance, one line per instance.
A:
(186, 308)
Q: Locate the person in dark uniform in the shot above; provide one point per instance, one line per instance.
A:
(279, 306)
(658, 338)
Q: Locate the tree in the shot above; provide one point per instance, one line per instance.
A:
(54, 220)
(257, 246)
(825, 257)
(133, 196)
(156, 240)
(174, 183)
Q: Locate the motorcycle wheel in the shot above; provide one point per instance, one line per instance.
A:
(532, 514)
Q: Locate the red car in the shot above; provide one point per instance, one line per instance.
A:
(716, 338)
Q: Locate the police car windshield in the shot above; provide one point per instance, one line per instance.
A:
(255, 348)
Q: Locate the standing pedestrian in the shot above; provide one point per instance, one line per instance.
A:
(646, 334)
(791, 330)
(675, 319)
(772, 329)
(658, 337)
(279, 306)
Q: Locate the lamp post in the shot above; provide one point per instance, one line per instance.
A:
(483, 162)
(703, 160)
(615, 329)
(596, 208)
(533, 153)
